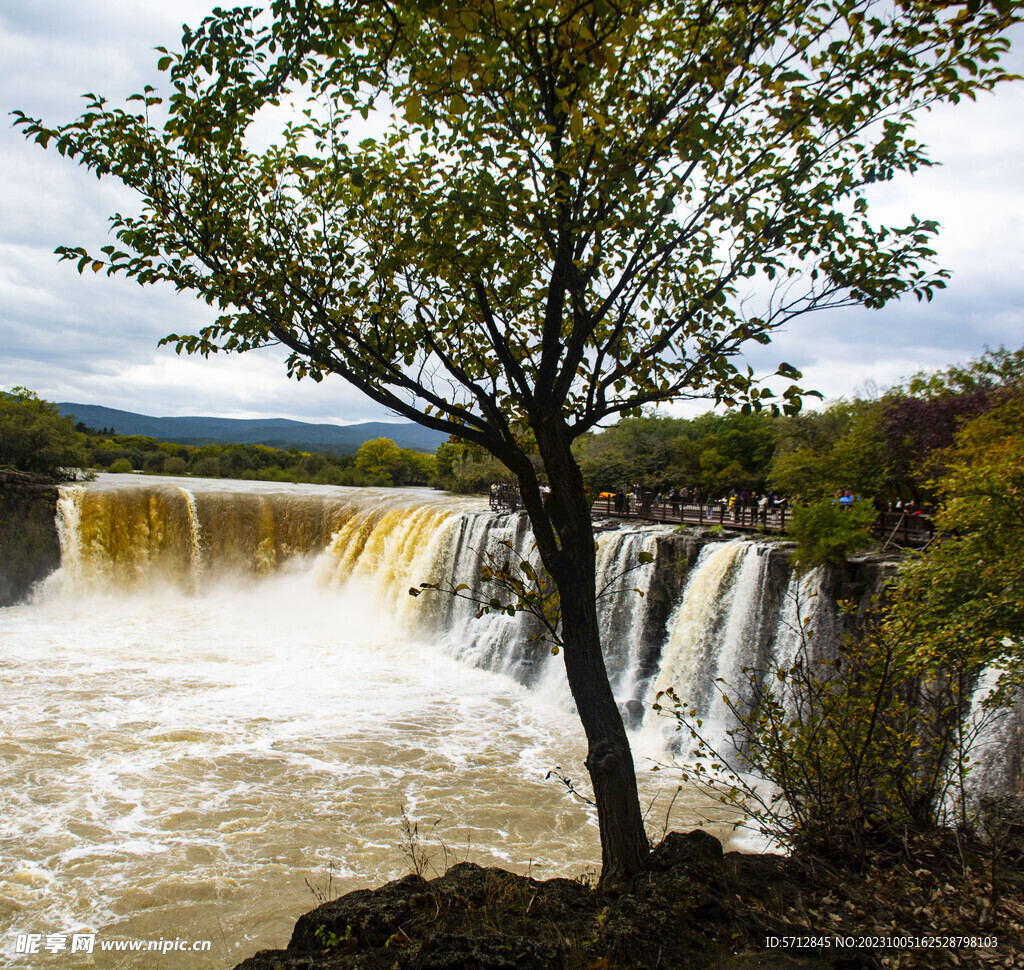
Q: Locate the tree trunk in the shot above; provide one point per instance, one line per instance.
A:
(609, 759)
(572, 566)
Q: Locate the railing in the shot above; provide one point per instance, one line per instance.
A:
(505, 499)
(900, 527)
(904, 528)
(746, 518)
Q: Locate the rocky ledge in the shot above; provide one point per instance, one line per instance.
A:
(692, 907)
(29, 547)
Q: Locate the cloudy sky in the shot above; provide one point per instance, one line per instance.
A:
(93, 339)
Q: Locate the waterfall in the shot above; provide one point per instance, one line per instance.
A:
(740, 610)
(995, 739)
(806, 630)
(689, 660)
(390, 548)
(799, 614)
(623, 584)
(131, 534)
(740, 614)
(137, 534)
(494, 641)
(196, 534)
(153, 533)
(69, 529)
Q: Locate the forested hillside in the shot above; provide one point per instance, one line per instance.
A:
(273, 432)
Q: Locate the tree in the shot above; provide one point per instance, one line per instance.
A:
(377, 457)
(968, 592)
(382, 459)
(918, 423)
(837, 448)
(560, 224)
(993, 371)
(826, 531)
(732, 450)
(35, 438)
(634, 451)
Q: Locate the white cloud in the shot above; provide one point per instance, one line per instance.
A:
(246, 386)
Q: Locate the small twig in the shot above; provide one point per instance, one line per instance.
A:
(664, 828)
(568, 782)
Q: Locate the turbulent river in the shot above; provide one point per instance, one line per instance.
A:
(225, 705)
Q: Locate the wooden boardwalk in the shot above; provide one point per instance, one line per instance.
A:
(741, 518)
(900, 528)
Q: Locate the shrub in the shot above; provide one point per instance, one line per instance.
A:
(826, 531)
(329, 475)
(857, 749)
(120, 466)
(206, 467)
(154, 462)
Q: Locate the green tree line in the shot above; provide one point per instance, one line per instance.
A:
(379, 462)
(887, 446)
(35, 438)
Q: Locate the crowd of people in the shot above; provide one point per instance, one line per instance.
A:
(732, 505)
(504, 497)
(640, 500)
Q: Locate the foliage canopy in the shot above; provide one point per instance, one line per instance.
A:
(969, 590)
(35, 438)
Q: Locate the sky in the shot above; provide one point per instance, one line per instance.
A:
(93, 339)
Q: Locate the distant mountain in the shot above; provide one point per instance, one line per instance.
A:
(275, 432)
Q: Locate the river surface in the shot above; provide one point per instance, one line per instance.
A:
(196, 747)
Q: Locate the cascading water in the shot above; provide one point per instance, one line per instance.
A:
(735, 623)
(994, 736)
(623, 585)
(227, 685)
(689, 661)
(494, 641)
(798, 615)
